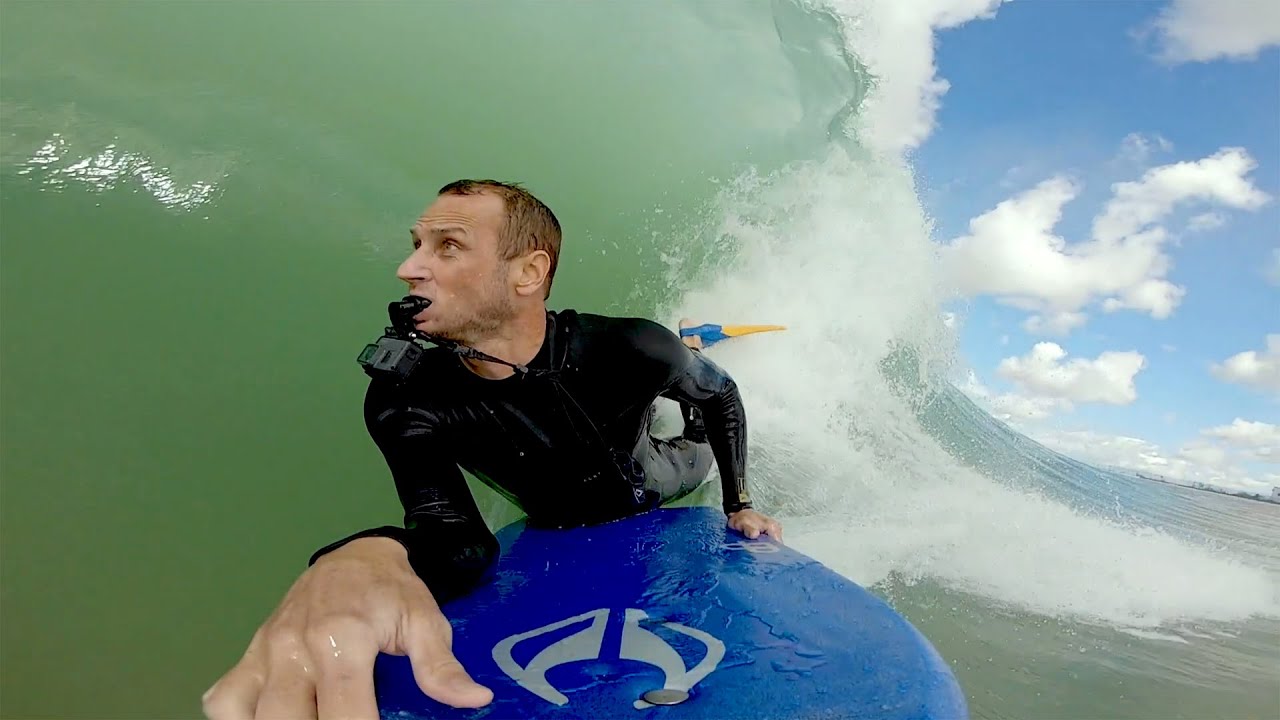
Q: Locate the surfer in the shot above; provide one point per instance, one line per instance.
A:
(553, 409)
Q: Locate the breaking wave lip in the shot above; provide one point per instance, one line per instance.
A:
(838, 248)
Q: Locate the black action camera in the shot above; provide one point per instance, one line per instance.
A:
(396, 353)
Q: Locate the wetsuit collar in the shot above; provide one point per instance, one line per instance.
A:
(542, 361)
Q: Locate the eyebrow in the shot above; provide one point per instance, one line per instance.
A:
(439, 230)
(444, 229)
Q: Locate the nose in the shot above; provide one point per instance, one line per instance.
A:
(414, 270)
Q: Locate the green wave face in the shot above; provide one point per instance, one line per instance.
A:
(203, 208)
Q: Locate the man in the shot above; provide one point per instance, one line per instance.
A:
(550, 408)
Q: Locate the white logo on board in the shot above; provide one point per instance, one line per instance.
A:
(638, 644)
(755, 548)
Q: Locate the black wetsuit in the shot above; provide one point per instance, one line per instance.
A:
(568, 441)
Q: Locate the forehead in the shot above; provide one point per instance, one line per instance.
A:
(472, 212)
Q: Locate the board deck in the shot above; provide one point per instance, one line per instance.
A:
(583, 623)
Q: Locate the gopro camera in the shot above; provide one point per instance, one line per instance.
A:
(396, 353)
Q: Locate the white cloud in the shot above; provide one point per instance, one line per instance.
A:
(1109, 378)
(1047, 385)
(1217, 178)
(1012, 407)
(1106, 450)
(1012, 253)
(894, 39)
(1206, 221)
(1204, 454)
(1197, 460)
(1259, 439)
(1061, 323)
(1225, 455)
(1159, 297)
(1253, 368)
(1137, 148)
(1201, 30)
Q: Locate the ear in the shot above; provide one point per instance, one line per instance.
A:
(529, 272)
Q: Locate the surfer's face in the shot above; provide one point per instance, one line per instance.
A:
(455, 262)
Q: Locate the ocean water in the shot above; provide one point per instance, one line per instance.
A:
(202, 206)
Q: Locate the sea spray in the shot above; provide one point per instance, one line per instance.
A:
(839, 250)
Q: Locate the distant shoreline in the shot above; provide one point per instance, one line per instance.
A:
(1207, 488)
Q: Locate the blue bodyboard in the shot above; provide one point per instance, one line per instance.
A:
(586, 623)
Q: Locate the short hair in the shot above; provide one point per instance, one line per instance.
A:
(530, 225)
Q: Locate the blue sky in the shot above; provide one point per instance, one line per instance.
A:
(1083, 90)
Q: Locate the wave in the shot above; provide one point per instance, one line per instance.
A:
(755, 155)
(878, 466)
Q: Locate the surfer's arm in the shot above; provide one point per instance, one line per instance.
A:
(708, 387)
(693, 378)
(449, 544)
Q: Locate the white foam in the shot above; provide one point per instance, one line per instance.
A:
(1153, 635)
(839, 252)
(894, 40)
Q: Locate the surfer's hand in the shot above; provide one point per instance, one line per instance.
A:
(314, 656)
(752, 523)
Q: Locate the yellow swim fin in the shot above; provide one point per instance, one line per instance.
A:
(712, 334)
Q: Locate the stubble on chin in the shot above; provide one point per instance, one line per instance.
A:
(495, 312)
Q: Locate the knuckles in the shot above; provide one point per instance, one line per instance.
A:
(331, 634)
(432, 623)
(283, 643)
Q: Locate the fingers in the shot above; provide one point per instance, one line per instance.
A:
(437, 671)
(754, 525)
(745, 525)
(770, 527)
(345, 689)
(344, 654)
(235, 695)
(289, 692)
(774, 529)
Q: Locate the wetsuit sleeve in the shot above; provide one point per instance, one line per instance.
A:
(692, 377)
(450, 547)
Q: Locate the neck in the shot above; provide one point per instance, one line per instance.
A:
(516, 342)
